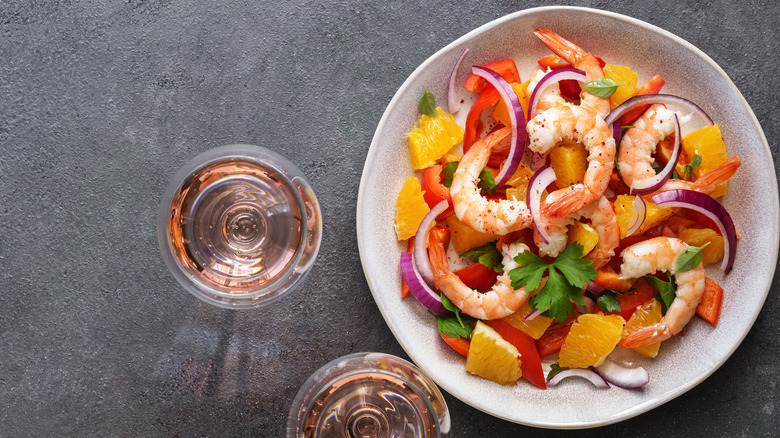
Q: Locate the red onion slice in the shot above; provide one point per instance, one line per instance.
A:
(516, 117)
(595, 289)
(626, 378)
(709, 207)
(541, 179)
(533, 314)
(424, 294)
(585, 373)
(421, 240)
(453, 104)
(649, 185)
(638, 215)
(550, 78)
(613, 118)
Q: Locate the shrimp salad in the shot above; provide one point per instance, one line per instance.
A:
(570, 218)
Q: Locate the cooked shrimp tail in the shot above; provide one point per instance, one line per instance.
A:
(648, 335)
(502, 299)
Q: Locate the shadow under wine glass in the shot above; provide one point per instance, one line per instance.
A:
(368, 395)
(239, 226)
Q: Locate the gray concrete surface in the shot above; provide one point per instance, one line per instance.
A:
(101, 101)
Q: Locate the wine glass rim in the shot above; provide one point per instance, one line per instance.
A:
(231, 300)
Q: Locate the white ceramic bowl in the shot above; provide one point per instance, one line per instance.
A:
(752, 201)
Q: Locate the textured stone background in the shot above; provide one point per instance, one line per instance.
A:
(101, 101)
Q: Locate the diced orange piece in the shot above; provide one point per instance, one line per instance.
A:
(704, 236)
(464, 237)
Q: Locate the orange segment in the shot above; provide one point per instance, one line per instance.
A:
(410, 209)
(569, 160)
(464, 237)
(491, 357)
(534, 328)
(644, 315)
(432, 138)
(707, 142)
(621, 75)
(700, 237)
(518, 183)
(656, 215)
(583, 234)
(591, 338)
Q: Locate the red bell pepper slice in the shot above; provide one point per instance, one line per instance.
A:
(505, 67)
(461, 345)
(529, 360)
(477, 276)
(552, 340)
(641, 294)
(711, 301)
(653, 86)
(607, 278)
(473, 126)
(434, 191)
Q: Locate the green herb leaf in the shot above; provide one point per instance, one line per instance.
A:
(688, 168)
(554, 369)
(456, 326)
(486, 181)
(666, 290)
(627, 127)
(602, 87)
(608, 303)
(565, 277)
(690, 258)
(487, 255)
(447, 172)
(427, 103)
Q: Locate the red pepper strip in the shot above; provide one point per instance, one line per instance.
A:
(711, 301)
(461, 345)
(505, 67)
(653, 86)
(641, 294)
(434, 191)
(477, 276)
(530, 363)
(552, 340)
(473, 128)
(608, 279)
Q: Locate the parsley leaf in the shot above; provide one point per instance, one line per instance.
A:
(456, 326)
(447, 172)
(565, 277)
(486, 181)
(690, 258)
(602, 87)
(608, 303)
(427, 103)
(666, 290)
(487, 255)
(554, 369)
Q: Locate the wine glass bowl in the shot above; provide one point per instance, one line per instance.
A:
(239, 226)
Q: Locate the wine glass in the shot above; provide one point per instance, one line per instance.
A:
(368, 395)
(239, 226)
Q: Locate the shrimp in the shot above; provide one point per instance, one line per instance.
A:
(579, 124)
(602, 219)
(550, 97)
(635, 159)
(582, 60)
(660, 254)
(484, 215)
(502, 300)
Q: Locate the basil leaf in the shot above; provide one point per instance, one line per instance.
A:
(453, 328)
(487, 255)
(666, 290)
(695, 161)
(427, 103)
(689, 258)
(486, 181)
(447, 172)
(602, 87)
